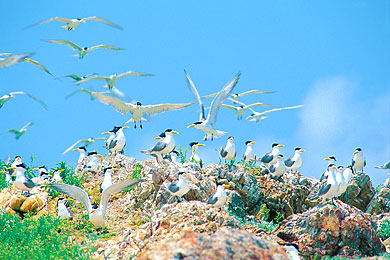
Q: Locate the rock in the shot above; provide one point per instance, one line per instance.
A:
(381, 201)
(226, 243)
(33, 202)
(15, 202)
(332, 230)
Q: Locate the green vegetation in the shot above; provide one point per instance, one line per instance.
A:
(384, 229)
(260, 222)
(182, 154)
(383, 256)
(45, 238)
(378, 188)
(3, 168)
(136, 174)
(250, 165)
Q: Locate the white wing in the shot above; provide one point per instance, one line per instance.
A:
(220, 98)
(13, 59)
(67, 43)
(254, 92)
(71, 147)
(160, 108)
(27, 125)
(105, 47)
(36, 63)
(133, 73)
(31, 96)
(258, 104)
(92, 78)
(230, 107)
(74, 192)
(103, 21)
(117, 104)
(278, 109)
(64, 20)
(196, 94)
(117, 187)
(211, 95)
(92, 94)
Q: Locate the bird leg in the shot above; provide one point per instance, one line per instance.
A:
(140, 124)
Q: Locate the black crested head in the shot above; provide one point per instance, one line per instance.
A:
(332, 157)
(95, 206)
(280, 155)
(176, 152)
(92, 153)
(241, 106)
(115, 129)
(297, 148)
(22, 165)
(43, 167)
(85, 48)
(18, 156)
(79, 19)
(181, 173)
(247, 142)
(83, 148)
(107, 168)
(230, 137)
(359, 149)
(168, 130)
(274, 144)
(139, 103)
(252, 114)
(193, 143)
(162, 135)
(340, 167)
(330, 165)
(197, 123)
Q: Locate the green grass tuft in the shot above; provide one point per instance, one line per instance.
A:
(384, 229)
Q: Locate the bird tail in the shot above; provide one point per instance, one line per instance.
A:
(380, 167)
(145, 152)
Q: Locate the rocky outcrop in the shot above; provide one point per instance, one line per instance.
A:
(332, 230)
(226, 243)
(381, 201)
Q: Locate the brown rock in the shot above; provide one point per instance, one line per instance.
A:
(381, 201)
(332, 230)
(226, 243)
(15, 202)
(32, 203)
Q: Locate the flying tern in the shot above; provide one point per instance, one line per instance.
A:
(19, 59)
(85, 141)
(20, 132)
(257, 116)
(11, 95)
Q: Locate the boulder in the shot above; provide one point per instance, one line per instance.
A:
(33, 202)
(332, 230)
(381, 201)
(226, 243)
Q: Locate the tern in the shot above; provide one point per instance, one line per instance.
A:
(358, 161)
(240, 109)
(20, 132)
(79, 78)
(194, 156)
(331, 160)
(82, 151)
(249, 154)
(93, 161)
(83, 51)
(13, 59)
(385, 166)
(342, 184)
(92, 94)
(85, 141)
(22, 182)
(179, 187)
(348, 174)
(235, 97)
(330, 188)
(229, 151)
(17, 161)
(19, 59)
(115, 143)
(72, 23)
(138, 109)
(8, 97)
(295, 161)
(277, 169)
(270, 158)
(257, 116)
(219, 198)
(57, 175)
(107, 180)
(96, 216)
(43, 173)
(164, 146)
(63, 211)
(207, 124)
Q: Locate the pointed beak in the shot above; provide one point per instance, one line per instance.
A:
(253, 142)
(101, 156)
(249, 117)
(157, 138)
(191, 126)
(355, 152)
(302, 150)
(280, 145)
(201, 145)
(93, 211)
(11, 168)
(36, 169)
(68, 199)
(327, 159)
(125, 127)
(115, 169)
(76, 149)
(61, 170)
(105, 133)
(175, 132)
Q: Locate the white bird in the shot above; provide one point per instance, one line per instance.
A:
(17, 161)
(278, 168)
(18, 59)
(107, 180)
(82, 150)
(348, 174)
(358, 161)
(85, 141)
(63, 211)
(330, 188)
(83, 51)
(43, 173)
(295, 161)
(57, 175)
(249, 154)
(194, 153)
(236, 97)
(207, 124)
(229, 151)
(93, 161)
(11, 95)
(117, 140)
(72, 23)
(22, 182)
(240, 109)
(164, 146)
(179, 187)
(257, 116)
(331, 160)
(270, 158)
(385, 166)
(21, 131)
(219, 198)
(79, 78)
(138, 109)
(341, 183)
(96, 216)
(13, 59)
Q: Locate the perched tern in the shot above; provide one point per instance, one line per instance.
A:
(164, 146)
(236, 97)
(229, 151)
(358, 161)
(20, 59)
(179, 187)
(83, 51)
(63, 211)
(93, 161)
(331, 160)
(107, 180)
(341, 183)
(219, 198)
(207, 124)
(270, 158)
(96, 216)
(85, 141)
(295, 161)
(11, 95)
(20, 132)
(115, 143)
(17, 161)
(249, 154)
(385, 166)
(22, 182)
(330, 188)
(257, 116)
(194, 155)
(348, 174)
(240, 109)
(43, 173)
(72, 23)
(278, 168)
(57, 175)
(82, 150)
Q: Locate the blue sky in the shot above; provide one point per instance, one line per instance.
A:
(333, 57)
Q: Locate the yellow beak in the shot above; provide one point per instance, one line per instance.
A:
(125, 127)
(201, 145)
(68, 199)
(303, 150)
(253, 142)
(36, 169)
(11, 168)
(61, 170)
(280, 145)
(355, 152)
(190, 126)
(115, 169)
(105, 133)
(76, 149)
(327, 159)
(175, 132)
(101, 156)
(158, 138)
